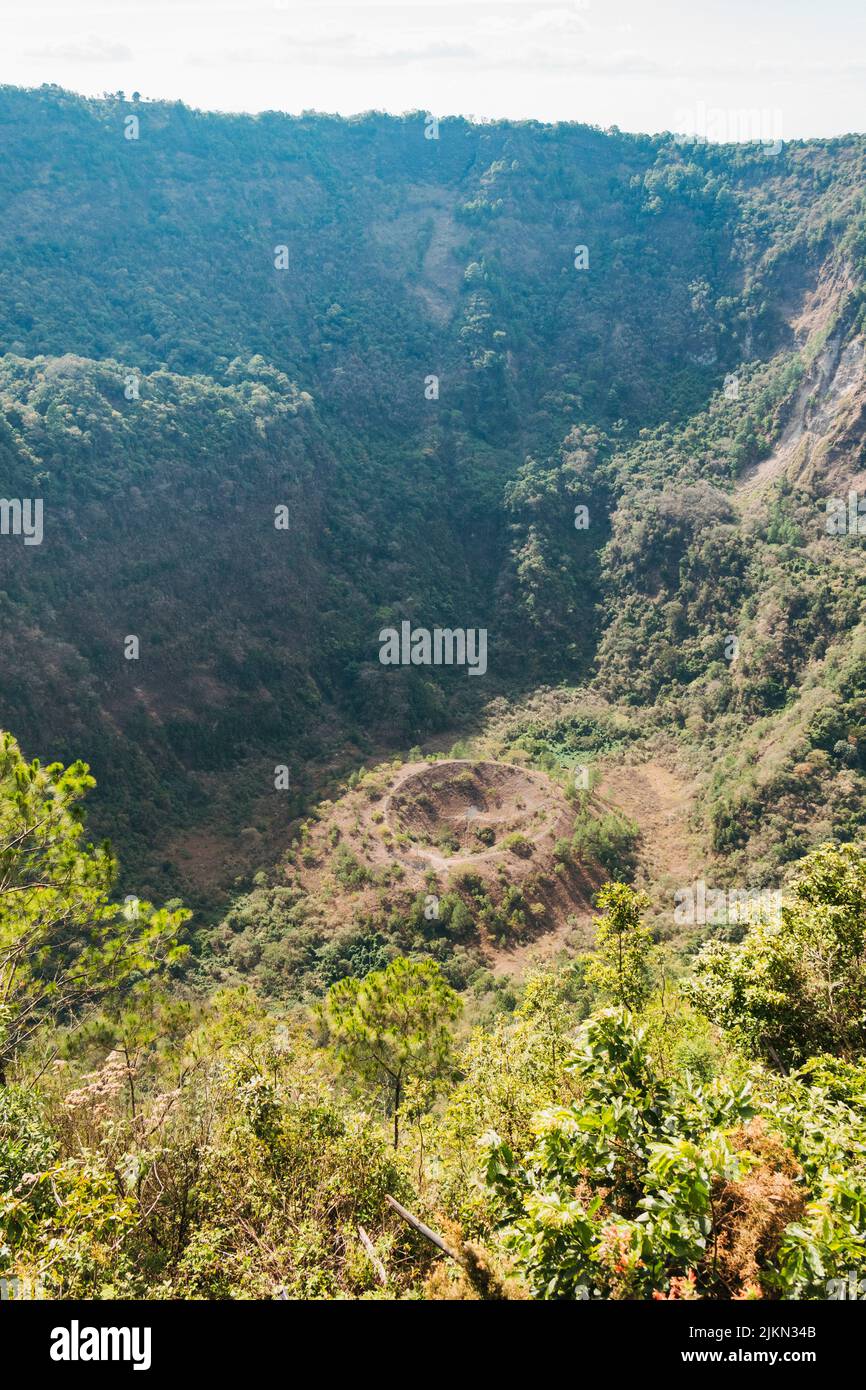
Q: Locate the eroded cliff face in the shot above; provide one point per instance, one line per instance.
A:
(821, 443)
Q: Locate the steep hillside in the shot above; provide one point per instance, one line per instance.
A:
(282, 383)
(449, 554)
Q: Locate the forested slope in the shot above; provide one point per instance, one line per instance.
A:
(280, 383)
(153, 260)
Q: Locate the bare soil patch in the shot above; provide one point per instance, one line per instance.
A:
(661, 801)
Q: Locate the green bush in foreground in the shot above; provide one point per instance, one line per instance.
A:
(651, 1187)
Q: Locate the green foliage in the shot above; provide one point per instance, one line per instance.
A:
(348, 872)
(797, 987)
(66, 1228)
(300, 1174)
(455, 251)
(63, 944)
(610, 840)
(507, 1071)
(236, 1173)
(620, 968)
(393, 1026)
(652, 1188)
(820, 1110)
(26, 1142)
(584, 1206)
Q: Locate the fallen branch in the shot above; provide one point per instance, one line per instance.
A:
(373, 1257)
(423, 1230)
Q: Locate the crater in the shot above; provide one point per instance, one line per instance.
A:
(471, 808)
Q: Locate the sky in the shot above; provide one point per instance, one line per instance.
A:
(727, 69)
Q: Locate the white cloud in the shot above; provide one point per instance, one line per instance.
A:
(621, 62)
(87, 50)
